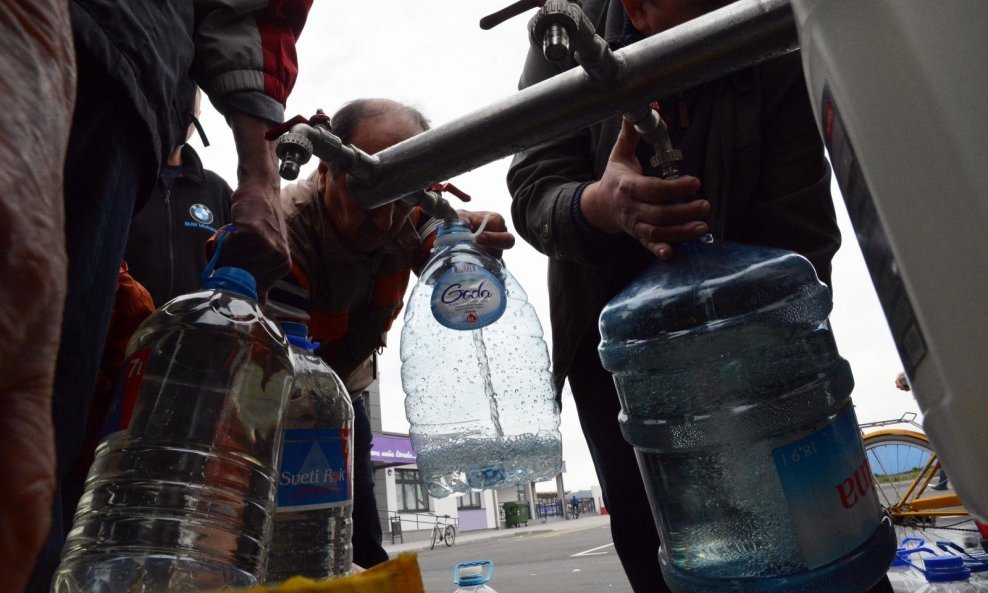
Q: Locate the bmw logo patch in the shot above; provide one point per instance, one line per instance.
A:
(201, 213)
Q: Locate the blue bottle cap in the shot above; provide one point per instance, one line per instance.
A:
(941, 569)
(235, 280)
(297, 334)
(472, 574)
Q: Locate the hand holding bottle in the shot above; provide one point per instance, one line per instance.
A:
(649, 209)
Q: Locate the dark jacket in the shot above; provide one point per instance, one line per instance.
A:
(763, 170)
(165, 246)
(242, 54)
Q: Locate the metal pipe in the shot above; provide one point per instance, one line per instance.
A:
(737, 36)
(296, 147)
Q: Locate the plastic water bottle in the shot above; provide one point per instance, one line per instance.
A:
(947, 574)
(312, 523)
(976, 563)
(738, 404)
(903, 575)
(475, 369)
(182, 499)
(471, 577)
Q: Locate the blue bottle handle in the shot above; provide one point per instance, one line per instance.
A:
(221, 237)
(487, 575)
(904, 554)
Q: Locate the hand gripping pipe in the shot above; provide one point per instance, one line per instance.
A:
(724, 41)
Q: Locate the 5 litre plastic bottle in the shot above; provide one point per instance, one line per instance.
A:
(738, 404)
(471, 577)
(947, 574)
(182, 499)
(475, 369)
(312, 523)
(904, 576)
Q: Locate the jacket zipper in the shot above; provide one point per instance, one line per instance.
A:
(171, 244)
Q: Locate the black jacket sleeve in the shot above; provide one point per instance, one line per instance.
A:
(544, 182)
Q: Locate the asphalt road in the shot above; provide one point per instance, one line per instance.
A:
(561, 561)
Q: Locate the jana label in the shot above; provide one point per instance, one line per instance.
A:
(468, 297)
(830, 490)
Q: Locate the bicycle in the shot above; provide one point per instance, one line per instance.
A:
(446, 534)
(903, 464)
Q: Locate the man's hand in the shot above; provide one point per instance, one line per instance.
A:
(495, 238)
(259, 244)
(647, 208)
(902, 383)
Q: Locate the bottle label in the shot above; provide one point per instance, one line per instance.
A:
(468, 297)
(830, 490)
(314, 472)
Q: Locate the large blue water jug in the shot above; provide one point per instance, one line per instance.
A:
(738, 405)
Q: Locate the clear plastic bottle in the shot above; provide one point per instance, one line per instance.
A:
(947, 574)
(738, 404)
(312, 523)
(475, 369)
(471, 577)
(903, 577)
(182, 499)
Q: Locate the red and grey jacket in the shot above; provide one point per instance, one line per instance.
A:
(240, 52)
(351, 298)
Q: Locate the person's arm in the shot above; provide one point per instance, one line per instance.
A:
(246, 63)
(259, 243)
(37, 94)
(564, 211)
(544, 182)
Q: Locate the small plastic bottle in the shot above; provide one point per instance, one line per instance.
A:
(947, 574)
(312, 523)
(471, 577)
(903, 576)
(480, 399)
(182, 499)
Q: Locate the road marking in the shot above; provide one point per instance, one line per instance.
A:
(592, 551)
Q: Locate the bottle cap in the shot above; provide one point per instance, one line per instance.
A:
(297, 334)
(941, 569)
(235, 280)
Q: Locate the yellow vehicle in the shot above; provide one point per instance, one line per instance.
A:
(904, 465)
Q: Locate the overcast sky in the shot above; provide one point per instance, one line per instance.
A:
(432, 55)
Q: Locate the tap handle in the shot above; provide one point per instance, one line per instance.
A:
(294, 150)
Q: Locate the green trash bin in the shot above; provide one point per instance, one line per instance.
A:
(515, 514)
